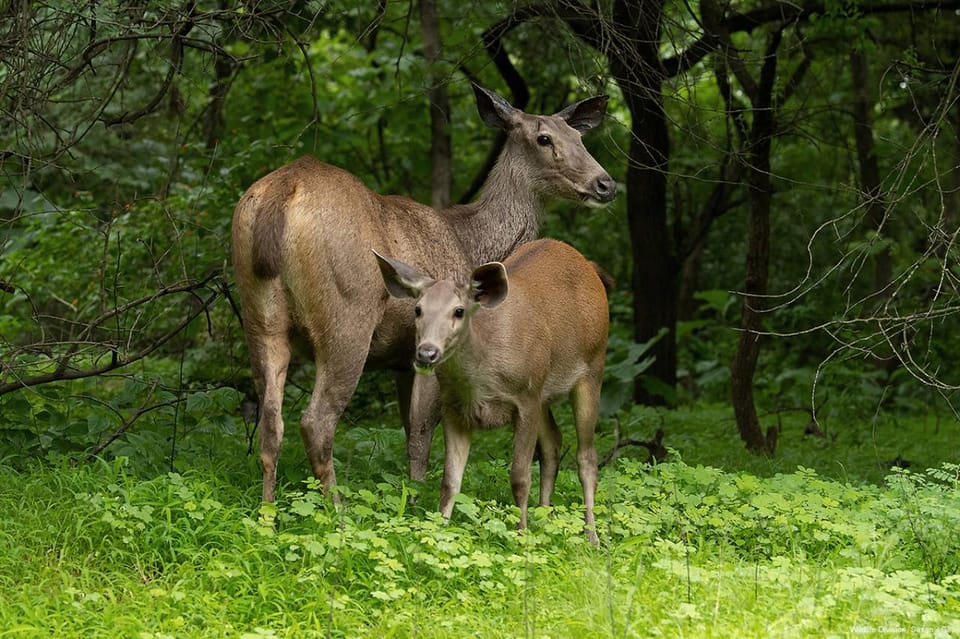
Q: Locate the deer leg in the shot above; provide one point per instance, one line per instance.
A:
(456, 449)
(338, 370)
(419, 401)
(404, 383)
(528, 426)
(269, 359)
(333, 389)
(550, 442)
(586, 408)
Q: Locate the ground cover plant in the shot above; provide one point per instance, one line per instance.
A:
(103, 550)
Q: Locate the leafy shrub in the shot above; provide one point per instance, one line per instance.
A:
(699, 551)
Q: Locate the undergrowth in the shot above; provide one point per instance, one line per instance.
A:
(686, 551)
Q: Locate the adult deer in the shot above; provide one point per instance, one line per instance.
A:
(504, 357)
(302, 237)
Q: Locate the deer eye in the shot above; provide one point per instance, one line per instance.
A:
(544, 140)
(417, 310)
(458, 312)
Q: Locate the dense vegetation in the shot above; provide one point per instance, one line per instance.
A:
(786, 279)
(686, 550)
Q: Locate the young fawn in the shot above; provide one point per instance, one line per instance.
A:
(517, 337)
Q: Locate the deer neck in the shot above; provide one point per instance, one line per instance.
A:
(506, 214)
(462, 375)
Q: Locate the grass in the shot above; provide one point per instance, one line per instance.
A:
(849, 451)
(818, 541)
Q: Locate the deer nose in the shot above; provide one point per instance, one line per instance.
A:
(605, 188)
(427, 354)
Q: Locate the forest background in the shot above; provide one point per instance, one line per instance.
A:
(784, 245)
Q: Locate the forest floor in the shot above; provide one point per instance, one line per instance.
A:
(821, 540)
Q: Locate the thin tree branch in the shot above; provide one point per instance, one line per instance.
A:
(176, 60)
(127, 423)
(116, 362)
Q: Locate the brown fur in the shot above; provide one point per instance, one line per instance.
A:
(302, 237)
(507, 361)
(270, 223)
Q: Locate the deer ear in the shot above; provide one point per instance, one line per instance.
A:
(489, 286)
(495, 111)
(585, 114)
(401, 280)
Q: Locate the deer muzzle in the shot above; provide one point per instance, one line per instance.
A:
(605, 189)
(427, 357)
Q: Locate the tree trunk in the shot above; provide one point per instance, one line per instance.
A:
(759, 195)
(440, 153)
(869, 171)
(214, 121)
(758, 260)
(952, 215)
(636, 66)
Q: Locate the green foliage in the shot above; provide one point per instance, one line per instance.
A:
(627, 361)
(795, 515)
(835, 449)
(150, 424)
(98, 551)
(103, 208)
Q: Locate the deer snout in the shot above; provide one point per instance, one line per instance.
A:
(605, 188)
(427, 355)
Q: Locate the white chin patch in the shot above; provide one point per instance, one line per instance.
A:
(594, 204)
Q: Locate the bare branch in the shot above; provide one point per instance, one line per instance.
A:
(63, 372)
(127, 423)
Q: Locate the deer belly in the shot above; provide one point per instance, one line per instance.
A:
(476, 412)
(489, 415)
(561, 381)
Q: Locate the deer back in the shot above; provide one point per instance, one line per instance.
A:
(551, 328)
(302, 236)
